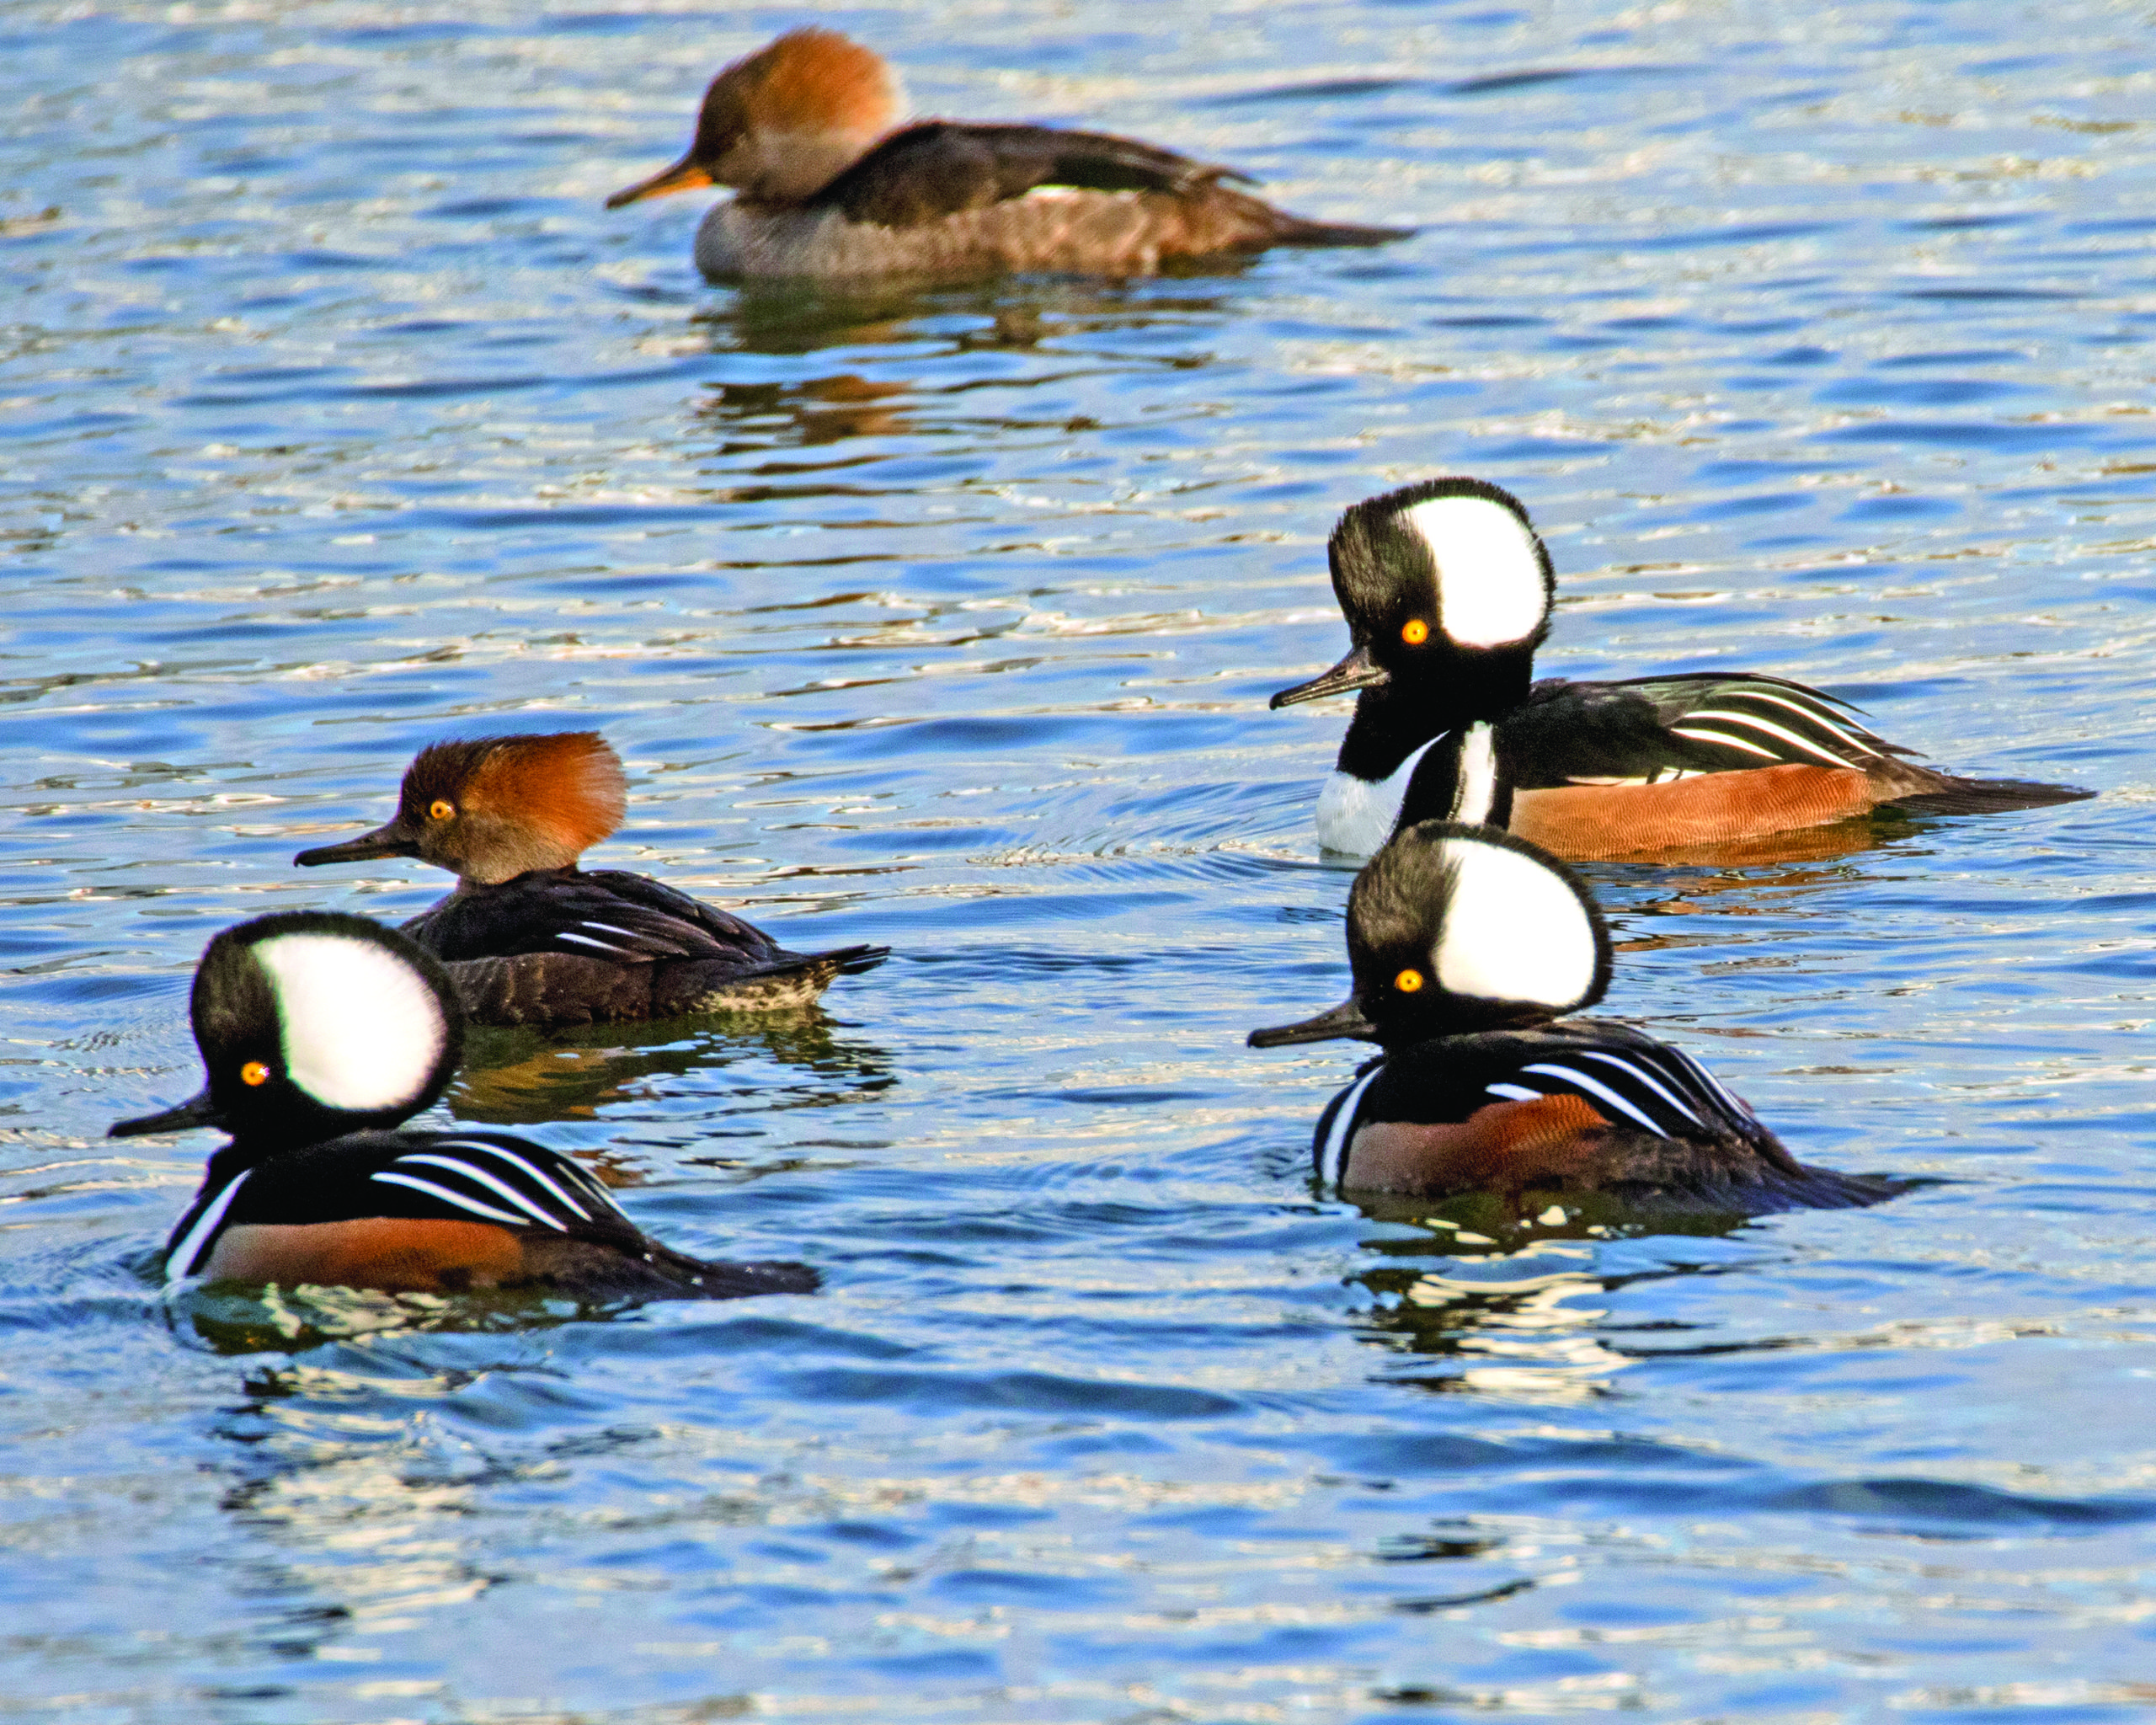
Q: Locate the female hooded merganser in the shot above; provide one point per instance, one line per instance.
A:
(803, 129)
(1447, 590)
(321, 1034)
(1466, 944)
(530, 938)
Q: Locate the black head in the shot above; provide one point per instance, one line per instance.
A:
(1447, 591)
(310, 1025)
(1452, 929)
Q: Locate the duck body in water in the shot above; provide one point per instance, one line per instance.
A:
(1469, 948)
(827, 184)
(531, 938)
(1447, 590)
(320, 1035)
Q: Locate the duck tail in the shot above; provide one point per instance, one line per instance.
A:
(1986, 796)
(787, 979)
(1296, 231)
(610, 1270)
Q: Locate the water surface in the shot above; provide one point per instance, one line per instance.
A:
(338, 416)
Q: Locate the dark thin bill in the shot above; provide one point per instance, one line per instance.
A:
(383, 841)
(198, 1110)
(1345, 1019)
(1358, 671)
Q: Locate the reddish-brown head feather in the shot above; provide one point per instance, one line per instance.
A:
(569, 786)
(784, 122)
(509, 804)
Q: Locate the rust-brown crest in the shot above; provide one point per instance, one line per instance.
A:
(559, 794)
(809, 80)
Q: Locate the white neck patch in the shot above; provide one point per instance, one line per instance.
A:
(1490, 590)
(1513, 931)
(361, 1029)
(1476, 791)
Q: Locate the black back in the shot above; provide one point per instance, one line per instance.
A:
(941, 167)
(627, 919)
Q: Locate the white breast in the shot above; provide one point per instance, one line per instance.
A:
(1355, 816)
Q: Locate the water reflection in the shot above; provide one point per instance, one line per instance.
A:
(1518, 1310)
(816, 411)
(797, 319)
(530, 1075)
(236, 1322)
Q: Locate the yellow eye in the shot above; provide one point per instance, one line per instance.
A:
(1408, 981)
(440, 808)
(254, 1073)
(1417, 631)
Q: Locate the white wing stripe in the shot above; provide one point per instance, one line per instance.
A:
(1824, 721)
(389, 1178)
(1645, 1078)
(1772, 729)
(1332, 1154)
(585, 940)
(510, 1156)
(1597, 1088)
(179, 1262)
(1678, 730)
(1741, 1107)
(1515, 1093)
(486, 1179)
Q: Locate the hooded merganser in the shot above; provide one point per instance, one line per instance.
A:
(321, 1034)
(1447, 590)
(527, 937)
(803, 129)
(1466, 944)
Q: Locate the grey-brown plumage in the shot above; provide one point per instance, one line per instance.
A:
(825, 188)
(529, 938)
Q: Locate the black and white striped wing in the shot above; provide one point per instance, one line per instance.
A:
(1766, 721)
(1629, 1078)
(510, 1181)
(1654, 730)
(625, 919)
(1641, 1083)
(476, 1176)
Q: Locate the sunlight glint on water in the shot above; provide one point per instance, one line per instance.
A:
(338, 416)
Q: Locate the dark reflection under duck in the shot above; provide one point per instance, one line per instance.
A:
(803, 318)
(529, 1076)
(1527, 1323)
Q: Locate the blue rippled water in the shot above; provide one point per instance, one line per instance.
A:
(336, 415)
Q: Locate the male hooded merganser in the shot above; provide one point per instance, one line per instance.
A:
(803, 129)
(1466, 944)
(1447, 591)
(530, 938)
(321, 1034)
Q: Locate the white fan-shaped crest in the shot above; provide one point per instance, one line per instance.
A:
(1513, 930)
(1490, 590)
(361, 1028)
